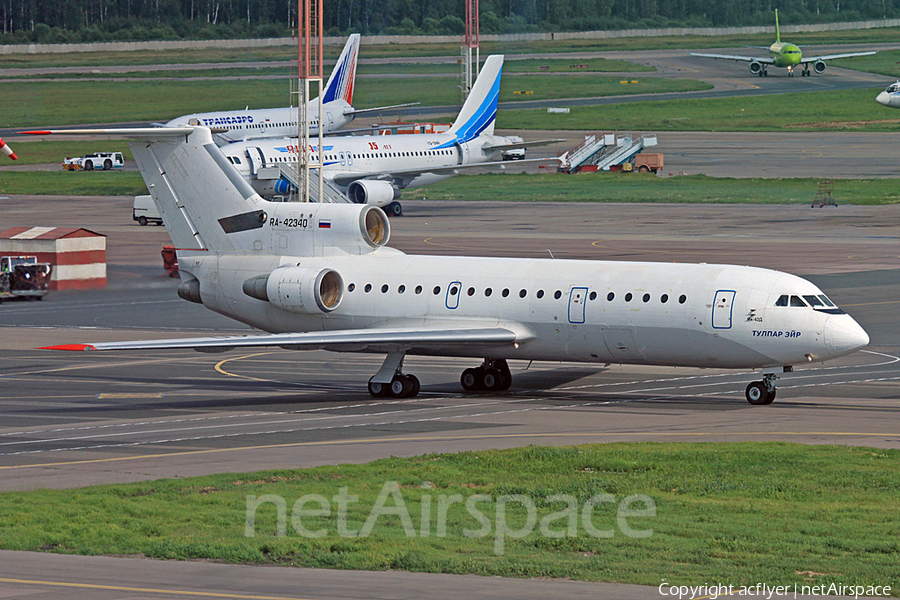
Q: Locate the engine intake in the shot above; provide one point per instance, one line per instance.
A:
(370, 191)
(304, 290)
(755, 67)
(819, 67)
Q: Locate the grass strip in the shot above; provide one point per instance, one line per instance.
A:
(730, 513)
(77, 183)
(854, 110)
(639, 187)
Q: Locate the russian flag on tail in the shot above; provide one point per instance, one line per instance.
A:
(324, 224)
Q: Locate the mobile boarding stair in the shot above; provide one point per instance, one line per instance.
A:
(331, 193)
(602, 153)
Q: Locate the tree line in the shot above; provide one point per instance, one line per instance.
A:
(57, 21)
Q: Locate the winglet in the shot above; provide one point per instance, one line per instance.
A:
(69, 347)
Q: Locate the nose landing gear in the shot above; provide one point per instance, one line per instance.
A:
(762, 392)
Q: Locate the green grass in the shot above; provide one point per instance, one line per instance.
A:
(886, 62)
(43, 104)
(74, 183)
(732, 513)
(638, 187)
(807, 111)
(54, 151)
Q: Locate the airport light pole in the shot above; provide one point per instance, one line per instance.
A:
(309, 42)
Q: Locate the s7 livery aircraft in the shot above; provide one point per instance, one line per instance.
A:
(282, 122)
(373, 169)
(785, 55)
(891, 96)
(321, 276)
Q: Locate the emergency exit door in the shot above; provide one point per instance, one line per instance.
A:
(722, 309)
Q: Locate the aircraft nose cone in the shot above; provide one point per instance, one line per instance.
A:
(883, 98)
(843, 335)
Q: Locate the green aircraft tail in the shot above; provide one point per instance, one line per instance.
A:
(777, 32)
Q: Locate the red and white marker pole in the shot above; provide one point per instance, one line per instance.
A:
(7, 150)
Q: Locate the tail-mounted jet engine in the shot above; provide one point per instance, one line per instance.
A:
(370, 191)
(819, 67)
(299, 289)
(755, 67)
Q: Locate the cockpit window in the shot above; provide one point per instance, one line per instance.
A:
(825, 299)
(782, 300)
(796, 301)
(893, 88)
(814, 301)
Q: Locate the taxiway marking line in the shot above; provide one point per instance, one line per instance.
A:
(446, 438)
(224, 372)
(120, 588)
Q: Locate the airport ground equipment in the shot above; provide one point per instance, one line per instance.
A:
(23, 277)
(607, 153)
(144, 211)
(170, 260)
(94, 162)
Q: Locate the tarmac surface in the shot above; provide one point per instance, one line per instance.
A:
(74, 419)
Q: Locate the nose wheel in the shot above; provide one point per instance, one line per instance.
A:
(491, 376)
(762, 392)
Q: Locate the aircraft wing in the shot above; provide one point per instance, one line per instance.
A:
(835, 56)
(348, 178)
(345, 339)
(360, 111)
(767, 61)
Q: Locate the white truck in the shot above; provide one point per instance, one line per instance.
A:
(144, 211)
(97, 160)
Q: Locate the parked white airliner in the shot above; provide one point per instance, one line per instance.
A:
(373, 169)
(234, 125)
(891, 96)
(320, 276)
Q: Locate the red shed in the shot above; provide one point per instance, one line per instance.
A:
(78, 255)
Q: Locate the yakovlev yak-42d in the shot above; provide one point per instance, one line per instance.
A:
(320, 276)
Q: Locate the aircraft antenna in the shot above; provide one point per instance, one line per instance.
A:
(309, 43)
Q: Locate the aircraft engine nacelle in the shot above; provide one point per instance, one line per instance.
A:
(370, 191)
(298, 289)
(755, 67)
(819, 67)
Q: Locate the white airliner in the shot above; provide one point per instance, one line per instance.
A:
(891, 96)
(373, 169)
(264, 123)
(320, 276)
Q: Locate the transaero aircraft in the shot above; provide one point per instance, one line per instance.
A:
(264, 123)
(373, 169)
(782, 54)
(891, 96)
(321, 276)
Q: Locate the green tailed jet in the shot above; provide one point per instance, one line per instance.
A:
(782, 54)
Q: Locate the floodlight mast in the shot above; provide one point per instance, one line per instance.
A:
(309, 43)
(471, 42)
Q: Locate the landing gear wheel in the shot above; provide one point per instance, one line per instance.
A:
(394, 209)
(400, 387)
(470, 379)
(492, 380)
(758, 394)
(415, 385)
(378, 390)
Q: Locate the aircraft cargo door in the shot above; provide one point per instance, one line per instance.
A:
(722, 308)
(256, 159)
(621, 345)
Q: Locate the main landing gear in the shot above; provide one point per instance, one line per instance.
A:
(390, 382)
(492, 376)
(762, 392)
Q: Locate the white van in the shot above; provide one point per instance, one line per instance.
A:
(145, 210)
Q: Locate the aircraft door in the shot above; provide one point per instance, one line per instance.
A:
(343, 158)
(722, 309)
(577, 298)
(454, 291)
(349, 158)
(621, 344)
(462, 154)
(257, 160)
(330, 118)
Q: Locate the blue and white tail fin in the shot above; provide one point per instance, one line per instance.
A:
(340, 84)
(479, 112)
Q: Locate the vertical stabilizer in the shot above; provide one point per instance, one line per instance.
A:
(340, 84)
(777, 31)
(479, 112)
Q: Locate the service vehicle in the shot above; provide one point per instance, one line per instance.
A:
(23, 277)
(95, 161)
(144, 210)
